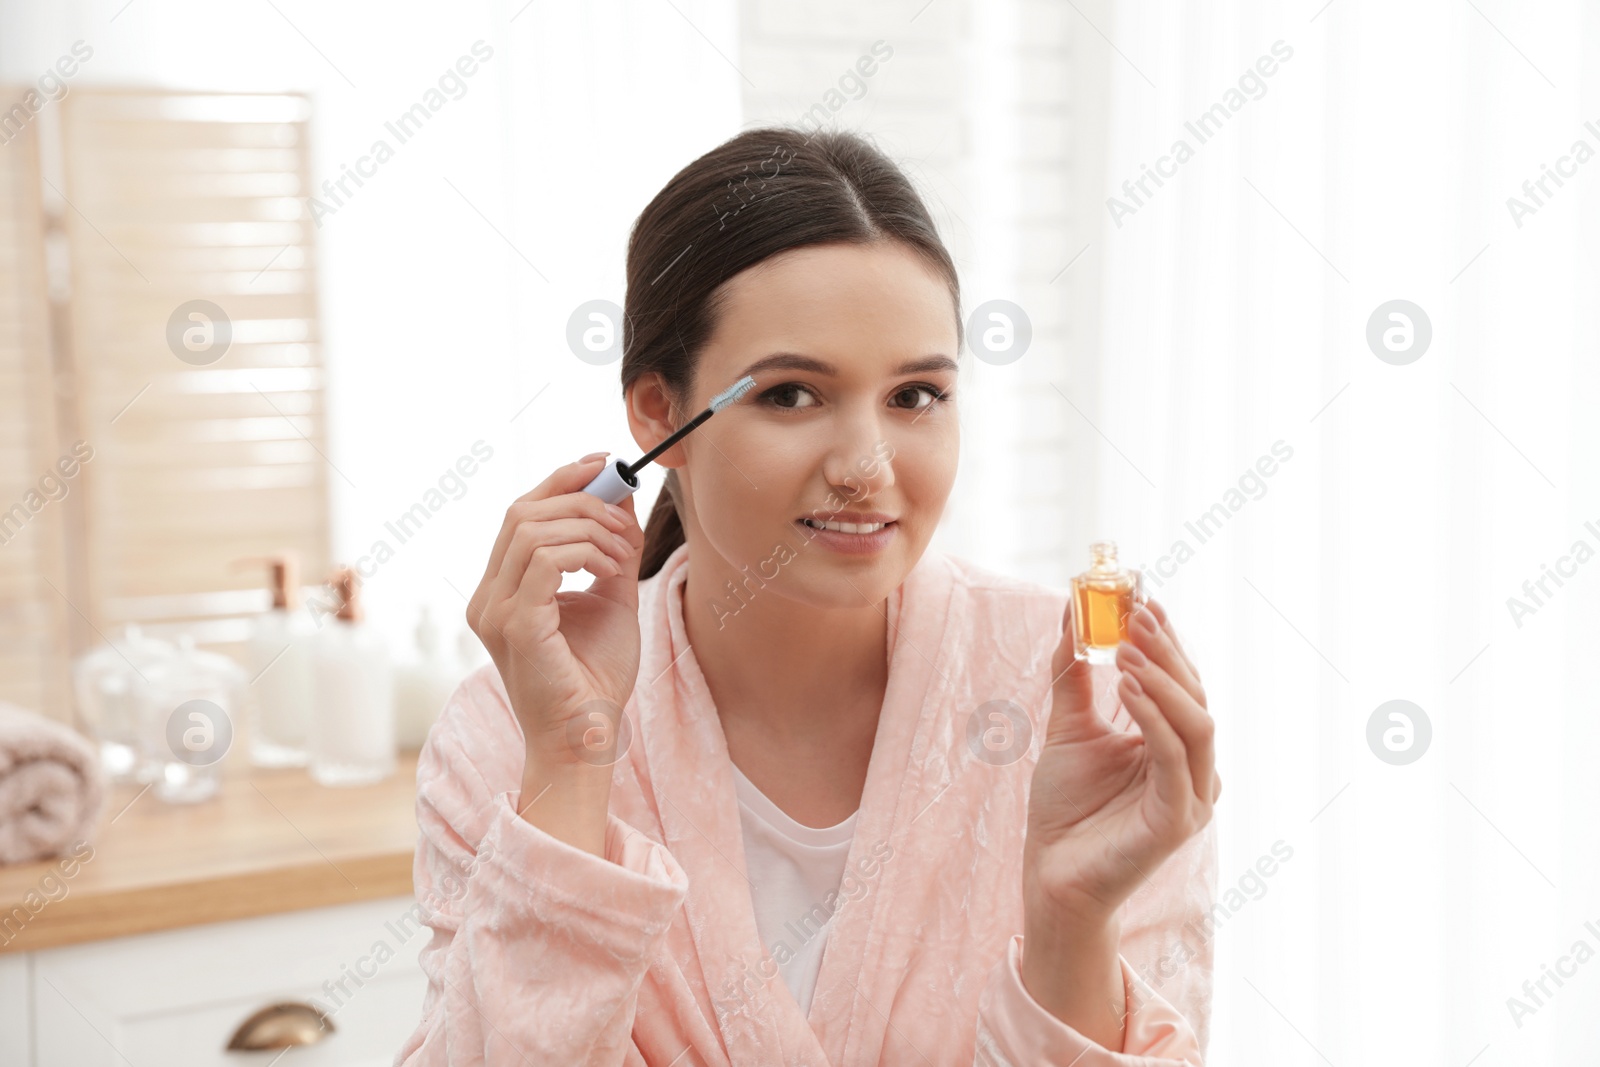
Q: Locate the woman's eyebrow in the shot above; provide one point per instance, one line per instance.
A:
(796, 361)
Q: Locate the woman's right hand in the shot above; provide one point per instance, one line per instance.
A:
(569, 660)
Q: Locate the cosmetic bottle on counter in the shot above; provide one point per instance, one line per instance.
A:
(188, 722)
(279, 655)
(111, 684)
(422, 685)
(1104, 599)
(351, 733)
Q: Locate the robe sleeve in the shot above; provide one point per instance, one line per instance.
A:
(1014, 1030)
(1165, 940)
(538, 948)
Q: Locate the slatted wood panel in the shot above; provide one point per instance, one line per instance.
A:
(174, 198)
(33, 628)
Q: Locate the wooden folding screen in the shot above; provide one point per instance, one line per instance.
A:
(169, 358)
(196, 354)
(33, 585)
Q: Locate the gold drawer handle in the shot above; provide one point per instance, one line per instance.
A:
(281, 1026)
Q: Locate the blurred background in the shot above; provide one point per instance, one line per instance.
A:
(1293, 301)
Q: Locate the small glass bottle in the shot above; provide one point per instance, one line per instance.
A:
(189, 721)
(1104, 598)
(113, 687)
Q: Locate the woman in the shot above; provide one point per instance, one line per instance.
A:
(766, 793)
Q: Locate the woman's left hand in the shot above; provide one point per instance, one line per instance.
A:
(1107, 806)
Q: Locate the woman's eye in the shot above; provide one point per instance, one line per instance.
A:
(934, 396)
(780, 395)
(789, 397)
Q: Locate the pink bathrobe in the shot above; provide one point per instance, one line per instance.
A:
(545, 955)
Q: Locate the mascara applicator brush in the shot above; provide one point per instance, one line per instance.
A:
(618, 480)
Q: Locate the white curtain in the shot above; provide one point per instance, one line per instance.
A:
(1376, 563)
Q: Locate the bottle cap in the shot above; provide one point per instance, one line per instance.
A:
(346, 585)
(1104, 554)
(611, 484)
(285, 576)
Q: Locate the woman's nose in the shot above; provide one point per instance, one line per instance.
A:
(862, 466)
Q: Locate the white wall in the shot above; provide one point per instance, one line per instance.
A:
(997, 112)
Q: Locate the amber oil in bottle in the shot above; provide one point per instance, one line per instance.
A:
(1104, 598)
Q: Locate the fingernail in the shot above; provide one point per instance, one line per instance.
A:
(1132, 656)
(1146, 619)
(592, 456)
(617, 512)
(1133, 685)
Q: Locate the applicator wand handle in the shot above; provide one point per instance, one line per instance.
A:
(619, 479)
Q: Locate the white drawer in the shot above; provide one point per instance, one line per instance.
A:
(15, 1026)
(176, 997)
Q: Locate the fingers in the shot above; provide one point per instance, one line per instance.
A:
(568, 479)
(533, 535)
(1166, 749)
(1160, 613)
(1182, 714)
(1157, 642)
(579, 517)
(1073, 715)
(1169, 651)
(557, 496)
(623, 587)
(542, 580)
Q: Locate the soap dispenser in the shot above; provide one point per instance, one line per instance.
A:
(423, 685)
(279, 655)
(351, 733)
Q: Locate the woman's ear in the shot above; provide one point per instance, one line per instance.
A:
(653, 415)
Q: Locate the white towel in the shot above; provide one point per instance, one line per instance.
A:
(52, 786)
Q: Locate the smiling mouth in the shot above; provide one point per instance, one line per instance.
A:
(847, 527)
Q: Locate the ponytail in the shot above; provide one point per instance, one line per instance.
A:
(663, 531)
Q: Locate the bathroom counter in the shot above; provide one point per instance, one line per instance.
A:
(270, 841)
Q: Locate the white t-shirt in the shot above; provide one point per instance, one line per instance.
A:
(793, 868)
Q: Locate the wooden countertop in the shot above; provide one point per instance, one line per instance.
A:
(269, 841)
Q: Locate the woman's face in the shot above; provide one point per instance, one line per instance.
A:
(852, 419)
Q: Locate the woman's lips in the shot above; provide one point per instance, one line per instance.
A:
(850, 544)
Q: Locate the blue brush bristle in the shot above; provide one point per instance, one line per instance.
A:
(733, 393)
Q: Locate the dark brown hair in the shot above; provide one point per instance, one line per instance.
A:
(762, 192)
